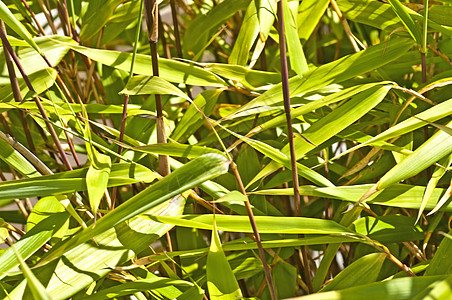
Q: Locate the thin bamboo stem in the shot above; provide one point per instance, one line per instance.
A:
(268, 274)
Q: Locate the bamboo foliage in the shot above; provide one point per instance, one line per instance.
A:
(225, 149)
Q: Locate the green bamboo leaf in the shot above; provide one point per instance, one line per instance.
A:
(12, 216)
(309, 14)
(395, 289)
(149, 85)
(438, 290)
(13, 158)
(325, 128)
(97, 179)
(296, 55)
(382, 15)
(42, 81)
(266, 13)
(441, 264)
(315, 104)
(141, 285)
(410, 25)
(279, 158)
(339, 119)
(32, 61)
(170, 70)
(72, 181)
(362, 271)
(333, 72)
(11, 21)
(397, 195)
(221, 282)
(96, 16)
(37, 289)
(47, 218)
(247, 35)
(241, 245)
(391, 228)
(198, 32)
(179, 150)
(285, 278)
(432, 114)
(193, 173)
(113, 247)
(265, 224)
(433, 181)
(15, 42)
(253, 79)
(419, 160)
(192, 119)
(446, 129)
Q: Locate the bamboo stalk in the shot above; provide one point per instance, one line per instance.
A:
(293, 159)
(268, 274)
(151, 15)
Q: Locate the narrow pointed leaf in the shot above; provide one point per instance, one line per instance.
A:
(37, 289)
(111, 248)
(407, 21)
(296, 53)
(11, 21)
(97, 179)
(355, 64)
(193, 173)
(221, 282)
(265, 224)
(149, 85)
(364, 270)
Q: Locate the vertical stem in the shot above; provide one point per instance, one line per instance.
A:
(177, 37)
(268, 274)
(151, 14)
(293, 159)
(286, 95)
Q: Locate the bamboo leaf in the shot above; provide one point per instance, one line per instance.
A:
(247, 36)
(3, 231)
(392, 228)
(355, 64)
(419, 160)
(296, 55)
(141, 285)
(441, 264)
(72, 181)
(193, 173)
(220, 279)
(396, 289)
(97, 179)
(145, 85)
(413, 28)
(265, 224)
(179, 150)
(170, 70)
(364, 270)
(397, 195)
(192, 119)
(11, 21)
(111, 248)
(309, 15)
(47, 218)
(339, 119)
(37, 289)
(198, 32)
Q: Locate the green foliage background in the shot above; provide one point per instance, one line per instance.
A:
(87, 214)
